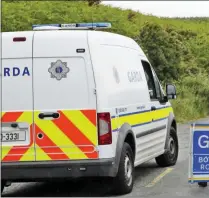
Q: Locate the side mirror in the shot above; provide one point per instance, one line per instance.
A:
(171, 91)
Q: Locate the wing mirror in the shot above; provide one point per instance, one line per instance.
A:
(171, 91)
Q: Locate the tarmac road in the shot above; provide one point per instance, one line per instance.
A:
(150, 181)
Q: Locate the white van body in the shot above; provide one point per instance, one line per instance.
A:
(103, 73)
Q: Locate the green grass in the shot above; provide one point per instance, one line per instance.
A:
(177, 48)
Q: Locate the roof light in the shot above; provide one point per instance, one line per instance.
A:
(102, 25)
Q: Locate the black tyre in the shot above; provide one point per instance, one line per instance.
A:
(170, 157)
(123, 182)
(203, 184)
(2, 185)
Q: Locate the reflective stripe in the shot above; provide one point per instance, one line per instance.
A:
(41, 154)
(47, 144)
(91, 115)
(162, 113)
(58, 138)
(11, 153)
(4, 151)
(2, 114)
(72, 136)
(135, 119)
(75, 135)
(29, 155)
(141, 118)
(21, 153)
(87, 127)
(11, 116)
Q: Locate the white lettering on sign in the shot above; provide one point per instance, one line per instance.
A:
(203, 141)
(204, 167)
(203, 159)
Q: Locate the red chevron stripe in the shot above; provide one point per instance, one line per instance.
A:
(91, 115)
(11, 116)
(75, 135)
(55, 153)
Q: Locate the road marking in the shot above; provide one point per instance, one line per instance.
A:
(159, 177)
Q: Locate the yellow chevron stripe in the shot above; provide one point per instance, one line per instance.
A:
(27, 116)
(2, 113)
(83, 124)
(59, 138)
(41, 155)
(4, 151)
(29, 155)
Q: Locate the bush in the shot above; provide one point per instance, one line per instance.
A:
(178, 48)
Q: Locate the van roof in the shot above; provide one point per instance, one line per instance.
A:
(94, 37)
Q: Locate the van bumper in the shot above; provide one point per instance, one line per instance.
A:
(40, 171)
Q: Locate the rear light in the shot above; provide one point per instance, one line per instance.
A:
(19, 39)
(104, 128)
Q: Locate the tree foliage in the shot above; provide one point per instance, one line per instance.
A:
(177, 48)
(163, 50)
(94, 2)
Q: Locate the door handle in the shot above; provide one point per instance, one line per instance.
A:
(48, 115)
(153, 108)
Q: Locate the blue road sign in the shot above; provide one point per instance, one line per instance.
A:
(201, 152)
(199, 158)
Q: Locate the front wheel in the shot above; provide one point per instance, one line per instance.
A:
(170, 157)
(123, 182)
(2, 185)
(202, 184)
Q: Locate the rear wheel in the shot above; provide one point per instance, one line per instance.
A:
(2, 185)
(123, 182)
(170, 157)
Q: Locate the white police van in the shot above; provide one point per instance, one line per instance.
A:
(81, 103)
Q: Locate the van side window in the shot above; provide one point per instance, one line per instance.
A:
(157, 85)
(150, 80)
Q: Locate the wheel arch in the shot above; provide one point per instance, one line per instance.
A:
(174, 124)
(171, 123)
(131, 141)
(125, 135)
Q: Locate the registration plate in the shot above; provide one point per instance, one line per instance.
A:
(13, 136)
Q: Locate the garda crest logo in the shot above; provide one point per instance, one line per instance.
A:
(58, 70)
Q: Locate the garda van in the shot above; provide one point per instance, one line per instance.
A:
(81, 103)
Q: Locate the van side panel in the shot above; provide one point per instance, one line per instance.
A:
(122, 90)
(17, 99)
(118, 91)
(73, 134)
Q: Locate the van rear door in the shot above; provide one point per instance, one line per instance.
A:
(17, 98)
(64, 99)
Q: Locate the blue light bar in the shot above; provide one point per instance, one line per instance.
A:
(73, 26)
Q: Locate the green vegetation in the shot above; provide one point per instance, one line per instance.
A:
(177, 48)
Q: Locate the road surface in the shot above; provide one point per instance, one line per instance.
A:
(150, 181)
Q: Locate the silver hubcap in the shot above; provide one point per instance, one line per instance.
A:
(128, 170)
(172, 146)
